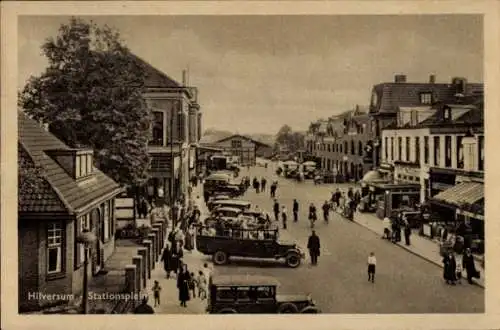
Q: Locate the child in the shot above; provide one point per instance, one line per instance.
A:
(202, 285)
(156, 292)
(372, 262)
(459, 272)
(192, 285)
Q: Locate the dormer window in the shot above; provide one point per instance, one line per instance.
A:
(426, 98)
(447, 114)
(83, 164)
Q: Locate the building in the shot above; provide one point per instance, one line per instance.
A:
(176, 131)
(243, 147)
(388, 98)
(70, 195)
(340, 144)
(441, 148)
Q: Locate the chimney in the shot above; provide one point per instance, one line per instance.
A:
(184, 78)
(460, 84)
(400, 78)
(432, 79)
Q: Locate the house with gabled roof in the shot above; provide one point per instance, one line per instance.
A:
(243, 147)
(176, 132)
(61, 194)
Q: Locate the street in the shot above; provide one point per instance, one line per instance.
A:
(404, 283)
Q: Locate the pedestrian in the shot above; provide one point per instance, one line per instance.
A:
(283, 216)
(372, 263)
(449, 268)
(295, 210)
(192, 284)
(144, 308)
(156, 293)
(312, 214)
(458, 272)
(183, 285)
(407, 232)
(207, 271)
(255, 184)
(326, 211)
(276, 209)
(469, 265)
(189, 239)
(179, 236)
(350, 193)
(166, 257)
(177, 255)
(263, 182)
(387, 225)
(202, 285)
(313, 245)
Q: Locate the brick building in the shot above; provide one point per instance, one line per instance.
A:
(176, 131)
(70, 196)
(340, 144)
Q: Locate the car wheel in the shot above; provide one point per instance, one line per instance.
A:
(220, 258)
(227, 311)
(293, 260)
(288, 308)
(310, 310)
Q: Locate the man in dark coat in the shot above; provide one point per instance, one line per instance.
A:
(313, 245)
(469, 266)
(276, 209)
(326, 211)
(449, 269)
(166, 257)
(295, 210)
(263, 182)
(183, 285)
(144, 308)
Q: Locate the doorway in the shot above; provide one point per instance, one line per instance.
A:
(96, 225)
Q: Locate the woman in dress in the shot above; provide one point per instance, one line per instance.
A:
(183, 285)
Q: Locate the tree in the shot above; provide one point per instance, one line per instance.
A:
(91, 95)
(287, 137)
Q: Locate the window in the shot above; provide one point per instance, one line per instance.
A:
(407, 149)
(480, 153)
(460, 153)
(340, 148)
(158, 128)
(83, 223)
(400, 148)
(386, 148)
(352, 148)
(77, 167)
(437, 150)
(426, 149)
(360, 148)
(224, 294)
(54, 247)
(236, 144)
(346, 148)
(329, 148)
(447, 150)
(89, 163)
(106, 221)
(426, 98)
(181, 126)
(392, 149)
(264, 293)
(417, 150)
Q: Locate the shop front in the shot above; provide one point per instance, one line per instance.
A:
(391, 198)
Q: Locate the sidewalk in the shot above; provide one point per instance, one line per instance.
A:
(420, 246)
(169, 294)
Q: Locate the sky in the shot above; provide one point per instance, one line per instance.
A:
(257, 73)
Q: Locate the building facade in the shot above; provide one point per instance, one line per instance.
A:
(388, 98)
(70, 196)
(176, 131)
(340, 144)
(243, 147)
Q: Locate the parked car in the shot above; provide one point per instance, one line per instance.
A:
(254, 294)
(248, 243)
(215, 199)
(235, 203)
(227, 212)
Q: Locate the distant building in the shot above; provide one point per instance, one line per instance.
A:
(243, 147)
(176, 131)
(71, 195)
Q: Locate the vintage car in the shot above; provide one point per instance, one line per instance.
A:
(215, 199)
(254, 294)
(227, 212)
(221, 182)
(233, 190)
(234, 203)
(248, 243)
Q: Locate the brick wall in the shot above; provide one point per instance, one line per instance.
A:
(28, 261)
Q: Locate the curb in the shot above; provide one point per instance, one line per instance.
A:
(412, 252)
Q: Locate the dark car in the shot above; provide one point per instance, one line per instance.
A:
(248, 243)
(254, 294)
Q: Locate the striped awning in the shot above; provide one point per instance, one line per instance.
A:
(462, 193)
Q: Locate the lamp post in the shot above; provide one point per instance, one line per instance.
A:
(86, 238)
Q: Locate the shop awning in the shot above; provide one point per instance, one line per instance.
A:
(462, 193)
